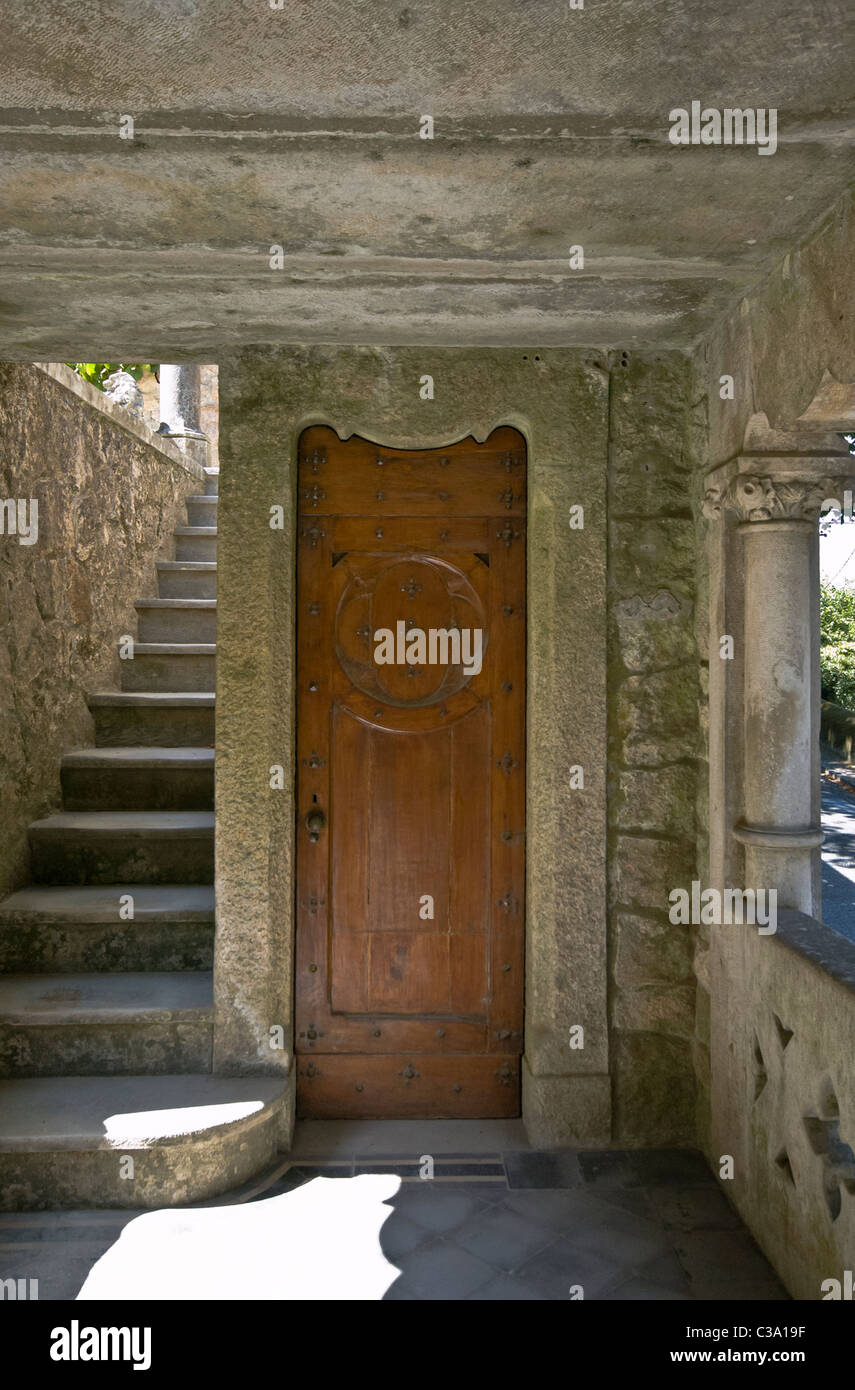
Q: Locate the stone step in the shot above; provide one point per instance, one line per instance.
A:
(118, 1024)
(187, 578)
(163, 719)
(202, 510)
(78, 847)
(138, 779)
(66, 929)
(190, 1138)
(195, 542)
(177, 620)
(212, 481)
(169, 666)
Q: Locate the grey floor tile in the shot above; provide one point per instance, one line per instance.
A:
(503, 1238)
(61, 1273)
(444, 1271)
(39, 1237)
(623, 1238)
(552, 1168)
(305, 1172)
(401, 1292)
(634, 1199)
(640, 1291)
(58, 1224)
(726, 1265)
(400, 1236)
(646, 1167)
(505, 1289)
(693, 1208)
(488, 1193)
(399, 1169)
(667, 1271)
(436, 1208)
(554, 1271)
(558, 1212)
(292, 1180)
(445, 1170)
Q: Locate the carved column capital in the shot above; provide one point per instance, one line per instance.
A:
(773, 496)
(758, 498)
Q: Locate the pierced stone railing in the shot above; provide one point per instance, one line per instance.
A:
(783, 1087)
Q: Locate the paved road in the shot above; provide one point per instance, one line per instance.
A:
(838, 859)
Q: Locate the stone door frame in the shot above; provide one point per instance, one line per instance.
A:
(558, 400)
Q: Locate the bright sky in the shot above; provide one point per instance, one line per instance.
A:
(837, 554)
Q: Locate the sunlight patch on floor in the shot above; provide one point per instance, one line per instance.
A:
(321, 1241)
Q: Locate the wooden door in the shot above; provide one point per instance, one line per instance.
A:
(410, 777)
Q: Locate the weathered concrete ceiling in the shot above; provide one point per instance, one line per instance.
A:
(300, 127)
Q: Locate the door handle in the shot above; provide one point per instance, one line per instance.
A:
(315, 822)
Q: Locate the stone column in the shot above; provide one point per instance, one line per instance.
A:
(777, 498)
(780, 829)
(180, 396)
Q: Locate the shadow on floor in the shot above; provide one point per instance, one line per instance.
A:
(509, 1224)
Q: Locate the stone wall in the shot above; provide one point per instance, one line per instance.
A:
(559, 400)
(108, 498)
(209, 410)
(653, 746)
(782, 337)
(774, 1042)
(610, 633)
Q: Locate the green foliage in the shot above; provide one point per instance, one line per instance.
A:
(837, 644)
(97, 372)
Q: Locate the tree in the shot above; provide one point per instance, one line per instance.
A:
(837, 644)
(97, 372)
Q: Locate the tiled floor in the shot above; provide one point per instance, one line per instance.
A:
(496, 1221)
(650, 1224)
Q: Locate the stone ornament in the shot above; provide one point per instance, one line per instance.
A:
(712, 503)
(370, 602)
(757, 498)
(121, 389)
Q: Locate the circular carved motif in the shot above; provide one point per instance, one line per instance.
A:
(408, 629)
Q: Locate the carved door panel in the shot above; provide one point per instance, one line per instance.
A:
(410, 777)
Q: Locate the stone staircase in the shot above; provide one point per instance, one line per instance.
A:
(106, 1013)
